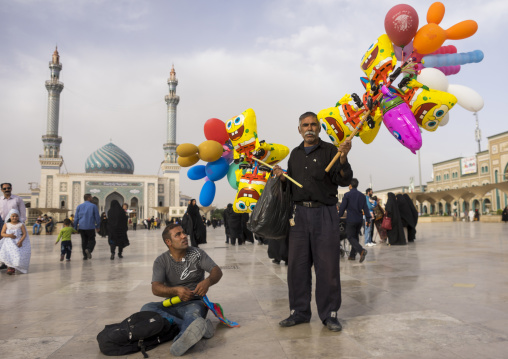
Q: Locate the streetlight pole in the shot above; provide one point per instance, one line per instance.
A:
(478, 133)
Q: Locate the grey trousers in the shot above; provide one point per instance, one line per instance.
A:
(314, 240)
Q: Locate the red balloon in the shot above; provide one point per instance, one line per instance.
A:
(215, 130)
(401, 24)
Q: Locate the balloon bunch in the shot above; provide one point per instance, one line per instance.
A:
(422, 98)
(424, 45)
(217, 151)
(247, 174)
(236, 140)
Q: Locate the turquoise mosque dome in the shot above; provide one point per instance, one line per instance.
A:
(109, 159)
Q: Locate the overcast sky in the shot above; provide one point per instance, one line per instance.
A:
(279, 57)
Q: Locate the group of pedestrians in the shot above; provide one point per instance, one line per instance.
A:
(87, 222)
(47, 221)
(235, 227)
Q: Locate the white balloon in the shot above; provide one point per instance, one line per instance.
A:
(444, 120)
(434, 79)
(467, 97)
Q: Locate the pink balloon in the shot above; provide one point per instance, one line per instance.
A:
(401, 24)
(449, 49)
(449, 70)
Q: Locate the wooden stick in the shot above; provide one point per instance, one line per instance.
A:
(357, 128)
(285, 175)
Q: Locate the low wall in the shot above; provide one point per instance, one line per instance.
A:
(440, 219)
(491, 219)
(435, 219)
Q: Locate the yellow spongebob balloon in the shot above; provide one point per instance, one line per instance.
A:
(379, 60)
(242, 131)
(250, 188)
(339, 122)
(271, 153)
(370, 129)
(431, 106)
(331, 120)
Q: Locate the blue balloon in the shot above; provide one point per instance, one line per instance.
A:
(217, 170)
(196, 172)
(207, 194)
(452, 59)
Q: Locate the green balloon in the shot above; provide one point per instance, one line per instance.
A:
(232, 176)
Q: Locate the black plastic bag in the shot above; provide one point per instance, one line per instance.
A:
(270, 217)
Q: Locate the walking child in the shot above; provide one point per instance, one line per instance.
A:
(65, 235)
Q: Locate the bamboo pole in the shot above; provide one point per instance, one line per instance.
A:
(357, 128)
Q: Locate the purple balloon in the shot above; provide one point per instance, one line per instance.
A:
(406, 51)
(400, 121)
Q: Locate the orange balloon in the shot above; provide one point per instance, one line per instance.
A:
(429, 38)
(210, 151)
(462, 30)
(435, 13)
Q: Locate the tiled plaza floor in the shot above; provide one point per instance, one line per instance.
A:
(445, 296)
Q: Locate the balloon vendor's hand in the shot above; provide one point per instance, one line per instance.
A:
(184, 293)
(344, 149)
(19, 244)
(202, 288)
(278, 172)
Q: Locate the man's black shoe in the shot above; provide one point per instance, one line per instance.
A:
(292, 320)
(333, 324)
(362, 256)
(88, 254)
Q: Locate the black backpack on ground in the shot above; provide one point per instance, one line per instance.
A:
(140, 332)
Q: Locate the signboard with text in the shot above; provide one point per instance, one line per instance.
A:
(468, 165)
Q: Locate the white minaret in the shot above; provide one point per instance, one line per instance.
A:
(172, 100)
(50, 160)
(170, 167)
(51, 140)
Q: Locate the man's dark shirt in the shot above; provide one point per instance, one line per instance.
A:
(354, 202)
(309, 171)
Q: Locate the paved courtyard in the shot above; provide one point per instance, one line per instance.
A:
(445, 296)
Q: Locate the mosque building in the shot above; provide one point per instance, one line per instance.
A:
(109, 171)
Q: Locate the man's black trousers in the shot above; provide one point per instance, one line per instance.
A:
(314, 240)
(87, 240)
(352, 230)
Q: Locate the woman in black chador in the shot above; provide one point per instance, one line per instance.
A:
(117, 229)
(396, 234)
(408, 214)
(103, 231)
(504, 218)
(193, 224)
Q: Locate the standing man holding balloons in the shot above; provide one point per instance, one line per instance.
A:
(313, 239)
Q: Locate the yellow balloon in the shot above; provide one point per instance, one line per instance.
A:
(379, 59)
(210, 151)
(186, 150)
(272, 152)
(188, 161)
(250, 188)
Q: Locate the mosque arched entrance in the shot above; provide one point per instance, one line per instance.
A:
(111, 197)
(134, 205)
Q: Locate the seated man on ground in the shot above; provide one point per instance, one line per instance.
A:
(180, 271)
